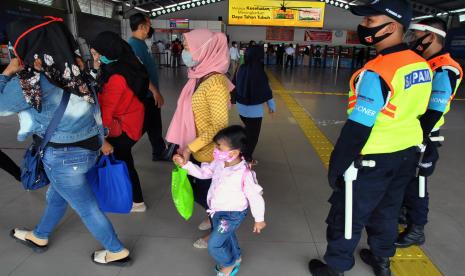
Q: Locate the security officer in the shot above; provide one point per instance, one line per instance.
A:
(387, 97)
(429, 38)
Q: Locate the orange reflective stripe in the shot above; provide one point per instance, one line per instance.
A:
(445, 60)
(352, 80)
(388, 113)
(391, 107)
(351, 105)
(353, 98)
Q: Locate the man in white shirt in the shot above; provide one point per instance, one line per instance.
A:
(162, 56)
(235, 58)
(161, 46)
(290, 52)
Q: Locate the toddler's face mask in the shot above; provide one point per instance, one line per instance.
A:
(224, 156)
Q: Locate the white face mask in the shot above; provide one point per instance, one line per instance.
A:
(187, 59)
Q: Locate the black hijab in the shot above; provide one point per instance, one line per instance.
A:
(113, 47)
(252, 83)
(48, 41)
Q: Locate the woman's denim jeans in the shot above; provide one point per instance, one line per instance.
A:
(66, 168)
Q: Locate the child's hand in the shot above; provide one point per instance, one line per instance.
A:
(258, 227)
(179, 160)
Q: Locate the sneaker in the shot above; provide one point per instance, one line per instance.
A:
(200, 244)
(138, 207)
(205, 225)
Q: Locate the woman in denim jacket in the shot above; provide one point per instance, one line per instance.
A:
(32, 86)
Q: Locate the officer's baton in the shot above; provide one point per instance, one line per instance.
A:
(437, 139)
(349, 177)
(421, 179)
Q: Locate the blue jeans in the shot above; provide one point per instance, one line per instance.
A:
(66, 168)
(223, 245)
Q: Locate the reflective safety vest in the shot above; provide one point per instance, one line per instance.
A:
(446, 62)
(409, 79)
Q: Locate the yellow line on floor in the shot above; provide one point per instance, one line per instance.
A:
(317, 139)
(310, 92)
(406, 262)
(278, 90)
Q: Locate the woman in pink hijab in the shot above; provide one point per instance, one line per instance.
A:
(203, 107)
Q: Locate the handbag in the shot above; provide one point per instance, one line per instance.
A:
(110, 181)
(33, 174)
(182, 193)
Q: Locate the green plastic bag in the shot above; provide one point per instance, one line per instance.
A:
(181, 191)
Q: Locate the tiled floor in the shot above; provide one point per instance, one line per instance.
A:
(295, 192)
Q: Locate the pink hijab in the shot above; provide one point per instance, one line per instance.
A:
(210, 51)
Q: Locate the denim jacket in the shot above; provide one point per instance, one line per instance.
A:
(81, 120)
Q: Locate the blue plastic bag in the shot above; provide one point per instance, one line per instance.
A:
(111, 184)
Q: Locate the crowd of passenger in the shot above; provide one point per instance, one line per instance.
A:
(114, 102)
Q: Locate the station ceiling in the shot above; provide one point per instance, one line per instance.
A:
(421, 7)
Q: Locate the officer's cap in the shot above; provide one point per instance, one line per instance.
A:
(399, 10)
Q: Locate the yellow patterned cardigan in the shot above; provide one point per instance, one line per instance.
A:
(210, 104)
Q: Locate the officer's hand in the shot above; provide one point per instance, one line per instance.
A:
(430, 158)
(336, 182)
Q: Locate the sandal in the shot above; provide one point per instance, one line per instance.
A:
(233, 272)
(200, 244)
(20, 235)
(236, 267)
(218, 271)
(205, 225)
(100, 257)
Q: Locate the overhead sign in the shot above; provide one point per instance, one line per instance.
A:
(179, 23)
(277, 13)
(352, 37)
(280, 33)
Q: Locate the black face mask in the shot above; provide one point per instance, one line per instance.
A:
(367, 35)
(418, 46)
(150, 34)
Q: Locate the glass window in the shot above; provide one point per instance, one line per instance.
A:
(108, 9)
(84, 5)
(42, 2)
(96, 7)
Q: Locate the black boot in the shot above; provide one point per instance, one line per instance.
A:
(380, 265)
(413, 235)
(318, 268)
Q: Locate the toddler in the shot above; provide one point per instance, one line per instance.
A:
(234, 187)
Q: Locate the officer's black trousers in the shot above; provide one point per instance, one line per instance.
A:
(378, 195)
(417, 208)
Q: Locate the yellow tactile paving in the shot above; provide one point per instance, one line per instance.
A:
(407, 262)
(325, 93)
(310, 92)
